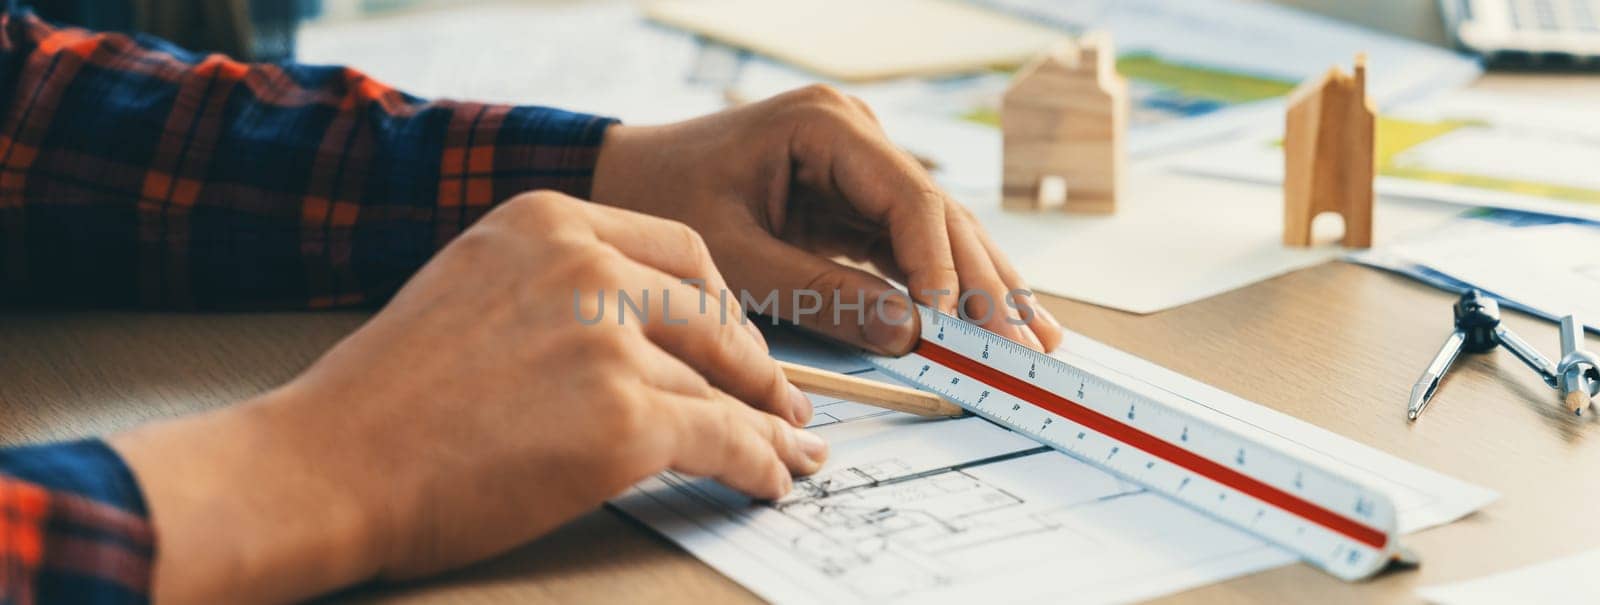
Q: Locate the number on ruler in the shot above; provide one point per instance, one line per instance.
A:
(985, 350)
(1364, 507)
(1239, 457)
(982, 396)
(1130, 412)
(923, 371)
(1031, 368)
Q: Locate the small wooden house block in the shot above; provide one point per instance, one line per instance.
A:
(1064, 118)
(1328, 156)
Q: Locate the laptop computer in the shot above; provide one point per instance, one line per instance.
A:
(1533, 33)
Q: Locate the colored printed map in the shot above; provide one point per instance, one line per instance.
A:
(1398, 138)
(1164, 90)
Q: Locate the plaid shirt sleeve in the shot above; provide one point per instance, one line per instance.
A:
(73, 527)
(134, 173)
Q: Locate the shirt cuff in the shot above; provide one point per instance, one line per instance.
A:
(82, 511)
(494, 152)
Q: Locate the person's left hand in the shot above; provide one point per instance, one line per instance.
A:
(781, 188)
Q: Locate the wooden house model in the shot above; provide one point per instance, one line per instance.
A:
(1064, 118)
(1329, 146)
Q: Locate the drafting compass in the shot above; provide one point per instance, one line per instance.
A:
(1478, 330)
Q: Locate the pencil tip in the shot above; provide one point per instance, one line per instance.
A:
(1576, 401)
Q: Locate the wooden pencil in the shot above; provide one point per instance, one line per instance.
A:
(870, 392)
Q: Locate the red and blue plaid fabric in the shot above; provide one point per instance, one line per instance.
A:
(73, 527)
(137, 174)
(134, 173)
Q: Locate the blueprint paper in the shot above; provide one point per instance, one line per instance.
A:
(1566, 581)
(959, 511)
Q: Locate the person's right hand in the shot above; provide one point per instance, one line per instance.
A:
(475, 412)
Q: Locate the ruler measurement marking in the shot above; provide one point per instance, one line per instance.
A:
(1097, 421)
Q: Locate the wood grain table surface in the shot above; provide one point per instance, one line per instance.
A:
(1336, 344)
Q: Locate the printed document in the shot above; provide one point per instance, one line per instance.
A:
(919, 510)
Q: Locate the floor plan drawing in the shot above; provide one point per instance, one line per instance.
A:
(956, 510)
(886, 533)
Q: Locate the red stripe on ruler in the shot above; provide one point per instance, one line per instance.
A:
(1114, 429)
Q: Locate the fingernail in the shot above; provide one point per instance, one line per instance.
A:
(815, 449)
(890, 326)
(800, 405)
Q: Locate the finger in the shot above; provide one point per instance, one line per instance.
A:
(672, 247)
(748, 450)
(866, 110)
(880, 254)
(982, 286)
(1043, 323)
(840, 302)
(718, 346)
(887, 186)
(662, 371)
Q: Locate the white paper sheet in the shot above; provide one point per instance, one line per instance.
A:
(961, 511)
(1566, 581)
(1465, 147)
(1552, 269)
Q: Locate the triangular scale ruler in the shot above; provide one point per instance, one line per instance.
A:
(1330, 521)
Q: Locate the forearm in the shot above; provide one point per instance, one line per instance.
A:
(253, 505)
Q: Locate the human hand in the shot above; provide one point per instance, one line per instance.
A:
(475, 412)
(780, 187)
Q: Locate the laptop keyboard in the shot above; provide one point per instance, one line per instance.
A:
(1555, 15)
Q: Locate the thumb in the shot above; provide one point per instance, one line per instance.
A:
(843, 303)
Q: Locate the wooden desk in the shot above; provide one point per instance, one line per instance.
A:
(1335, 344)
